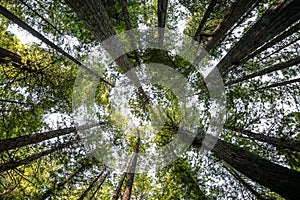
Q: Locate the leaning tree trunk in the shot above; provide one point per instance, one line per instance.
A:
(38, 35)
(280, 16)
(13, 143)
(99, 186)
(130, 179)
(279, 179)
(14, 164)
(267, 70)
(85, 193)
(284, 83)
(275, 141)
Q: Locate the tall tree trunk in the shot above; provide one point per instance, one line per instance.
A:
(244, 183)
(59, 186)
(13, 143)
(96, 19)
(28, 28)
(267, 70)
(99, 186)
(130, 178)
(236, 11)
(162, 7)
(279, 179)
(281, 15)
(274, 41)
(284, 83)
(205, 17)
(14, 164)
(91, 185)
(275, 141)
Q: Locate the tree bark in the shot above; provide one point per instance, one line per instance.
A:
(14, 164)
(91, 186)
(281, 15)
(96, 19)
(267, 70)
(130, 179)
(277, 142)
(13, 143)
(274, 41)
(279, 179)
(206, 15)
(162, 7)
(28, 28)
(284, 83)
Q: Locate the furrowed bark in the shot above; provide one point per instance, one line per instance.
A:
(281, 15)
(284, 181)
(28, 28)
(267, 70)
(130, 178)
(206, 15)
(13, 143)
(96, 19)
(14, 164)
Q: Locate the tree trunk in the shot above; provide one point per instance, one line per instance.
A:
(13, 143)
(277, 142)
(279, 179)
(162, 7)
(284, 83)
(28, 28)
(96, 19)
(267, 70)
(130, 179)
(274, 41)
(281, 15)
(14, 164)
(99, 186)
(91, 186)
(206, 15)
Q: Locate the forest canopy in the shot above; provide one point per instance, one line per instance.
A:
(181, 99)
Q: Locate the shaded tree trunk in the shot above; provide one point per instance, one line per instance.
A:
(281, 15)
(267, 70)
(205, 17)
(14, 164)
(36, 34)
(279, 179)
(85, 193)
(130, 178)
(284, 83)
(99, 186)
(162, 7)
(274, 41)
(13, 143)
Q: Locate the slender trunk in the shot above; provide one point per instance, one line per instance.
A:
(281, 15)
(236, 11)
(162, 7)
(119, 187)
(99, 186)
(205, 17)
(279, 179)
(58, 186)
(91, 186)
(35, 33)
(244, 183)
(274, 41)
(267, 70)
(284, 83)
(130, 179)
(275, 141)
(14, 164)
(13, 143)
